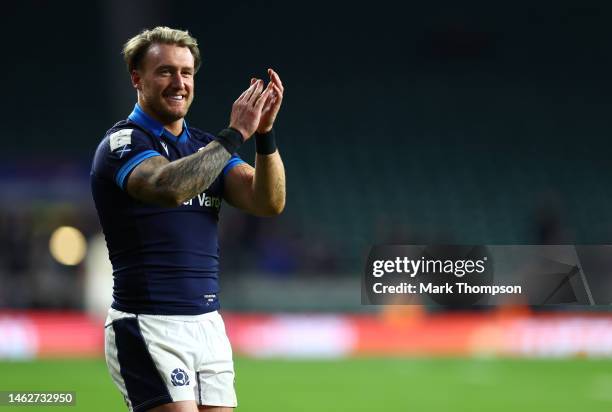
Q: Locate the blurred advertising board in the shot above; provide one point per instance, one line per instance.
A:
(400, 332)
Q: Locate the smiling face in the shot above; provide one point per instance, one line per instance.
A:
(164, 82)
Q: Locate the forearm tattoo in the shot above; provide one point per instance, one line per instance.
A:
(193, 174)
(270, 180)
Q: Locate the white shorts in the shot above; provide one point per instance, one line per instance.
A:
(157, 359)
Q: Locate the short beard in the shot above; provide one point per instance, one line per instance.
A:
(161, 113)
(166, 116)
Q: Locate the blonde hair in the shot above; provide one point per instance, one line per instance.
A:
(135, 48)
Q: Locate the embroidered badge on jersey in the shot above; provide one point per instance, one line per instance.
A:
(179, 377)
(121, 140)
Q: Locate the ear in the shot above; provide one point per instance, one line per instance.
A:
(135, 75)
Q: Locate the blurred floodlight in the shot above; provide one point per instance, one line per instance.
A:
(68, 245)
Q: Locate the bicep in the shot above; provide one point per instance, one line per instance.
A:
(238, 187)
(141, 183)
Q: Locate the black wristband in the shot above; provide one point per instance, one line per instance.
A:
(265, 143)
(231, 139)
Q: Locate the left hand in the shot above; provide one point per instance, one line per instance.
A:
(272, 104)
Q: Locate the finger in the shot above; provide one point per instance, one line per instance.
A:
(263, 97)
(271, 94)
(249, 92)
(241, 96)
(270, 86)
(278, 92)
(253, 80)
(269, 106)
(276, 79)
(257, 88)
(270, 101)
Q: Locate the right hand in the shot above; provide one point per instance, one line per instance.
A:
(246, 110)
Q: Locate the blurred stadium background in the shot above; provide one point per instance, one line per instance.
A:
(473, 122)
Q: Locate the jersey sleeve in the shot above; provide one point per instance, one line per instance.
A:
(234, 161)
(120, 152)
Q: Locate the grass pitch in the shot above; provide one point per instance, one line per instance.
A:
(453, 385)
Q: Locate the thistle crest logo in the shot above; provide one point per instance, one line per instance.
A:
(179, 377)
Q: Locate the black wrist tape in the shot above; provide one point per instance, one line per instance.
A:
(265, 143)
(230, 138)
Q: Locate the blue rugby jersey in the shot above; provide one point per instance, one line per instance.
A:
(165, 260)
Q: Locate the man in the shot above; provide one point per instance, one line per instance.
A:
(157, 185)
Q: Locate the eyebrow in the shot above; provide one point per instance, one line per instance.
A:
(171, 67)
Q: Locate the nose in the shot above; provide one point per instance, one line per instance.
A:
(177, 81)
